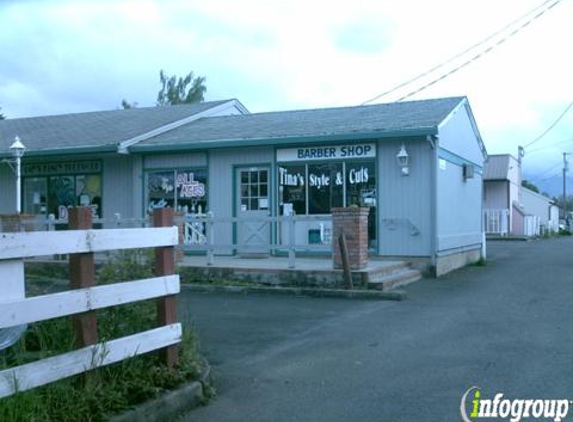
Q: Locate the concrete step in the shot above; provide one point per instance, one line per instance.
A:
(392, 267)
(398, 278)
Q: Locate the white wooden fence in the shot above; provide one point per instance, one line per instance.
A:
(16, 309)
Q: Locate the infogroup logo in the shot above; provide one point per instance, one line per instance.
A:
(514, 410)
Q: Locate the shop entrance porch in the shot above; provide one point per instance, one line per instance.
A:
(379, 274)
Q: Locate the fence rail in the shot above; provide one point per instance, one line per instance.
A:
(207, 233)
(282, 234)
(79, 303)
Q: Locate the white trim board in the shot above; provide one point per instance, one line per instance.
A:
(123, 147)
(30, 244)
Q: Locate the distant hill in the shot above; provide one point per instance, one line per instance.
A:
(553, 185)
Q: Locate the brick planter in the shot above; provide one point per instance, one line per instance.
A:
(17, 222)
(353, 222)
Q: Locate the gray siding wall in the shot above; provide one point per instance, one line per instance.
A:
(459, 202)
(137, 186)
(7, 190)
(119, 186)
(404, 202)
(459, 208)
(221, 188)
(458, 136)
(173, 161)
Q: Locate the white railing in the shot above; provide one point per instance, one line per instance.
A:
(496, 221)
(17, 310)
(288, 234)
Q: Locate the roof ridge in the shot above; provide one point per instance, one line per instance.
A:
(130, 110)
(338, 108)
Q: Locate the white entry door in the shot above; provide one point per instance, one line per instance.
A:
(253, 204)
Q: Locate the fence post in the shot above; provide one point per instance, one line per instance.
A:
(291, 242)
(345, 261)
(82, 274)
(51, 222)
(210, 238)
(165, 265)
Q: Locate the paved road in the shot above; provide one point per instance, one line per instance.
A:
(505, 327)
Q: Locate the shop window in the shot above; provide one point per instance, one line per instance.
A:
(67, 191)
(292, 189)
(161, 190)
(360, 184)
(36, 195)
(183, 190)
(191, 189)
(361, 191)
(325, 187)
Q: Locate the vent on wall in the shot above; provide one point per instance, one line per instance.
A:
(468, 171)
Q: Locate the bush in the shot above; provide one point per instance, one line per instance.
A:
(104, 391)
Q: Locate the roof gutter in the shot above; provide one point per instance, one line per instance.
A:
(289, 140)
(66, 151)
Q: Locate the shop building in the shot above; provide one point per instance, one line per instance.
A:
(417, 166)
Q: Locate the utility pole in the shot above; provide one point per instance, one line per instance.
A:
(565, 165)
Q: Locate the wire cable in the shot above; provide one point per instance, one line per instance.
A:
(543, 173)
(552, 125)
(549, 146)
(478, 44)
(479, 55)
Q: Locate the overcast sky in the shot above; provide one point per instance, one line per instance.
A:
(71, 56)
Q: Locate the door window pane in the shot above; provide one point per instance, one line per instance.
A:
(292, 189)
(254, 192)
(325, 187)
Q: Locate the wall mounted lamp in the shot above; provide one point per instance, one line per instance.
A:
(403, 160)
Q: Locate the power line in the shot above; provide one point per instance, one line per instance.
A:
(549, 146)
(485, 40)
(543, 173)
(552, 125)
(479, 55)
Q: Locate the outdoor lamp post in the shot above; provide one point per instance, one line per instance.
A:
(17, 149)
(403, 160)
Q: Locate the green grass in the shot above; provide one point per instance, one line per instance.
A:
(481, 262)
(104, 391)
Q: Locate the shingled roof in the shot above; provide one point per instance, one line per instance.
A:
(413, 118)
(98, 129)
(108, 131)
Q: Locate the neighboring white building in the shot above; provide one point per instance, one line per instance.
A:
(542, 207)
(511, 209)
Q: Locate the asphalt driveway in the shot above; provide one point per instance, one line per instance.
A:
(506, 327)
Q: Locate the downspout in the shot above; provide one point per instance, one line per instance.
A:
(433, 141)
